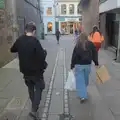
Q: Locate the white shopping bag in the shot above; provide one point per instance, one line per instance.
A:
(71, 82)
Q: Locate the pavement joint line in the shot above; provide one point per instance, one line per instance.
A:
(2, 89)
(18, 100)
(46, 109)
(18, 117)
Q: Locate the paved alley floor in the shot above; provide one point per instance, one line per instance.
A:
(57, 103)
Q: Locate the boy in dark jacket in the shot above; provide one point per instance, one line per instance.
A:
(32, 64)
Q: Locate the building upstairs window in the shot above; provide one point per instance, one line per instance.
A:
(63, 9)
(79, 10)
(49, 11)
(71, 9)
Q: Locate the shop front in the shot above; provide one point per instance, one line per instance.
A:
(69, 25)
(49, 25)
(109, 25)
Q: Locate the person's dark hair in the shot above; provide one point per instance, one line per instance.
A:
(82, 41)
(95, 29)
(30, 27)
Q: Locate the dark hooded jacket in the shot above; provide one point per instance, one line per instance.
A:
(31, 55)
(84, 57)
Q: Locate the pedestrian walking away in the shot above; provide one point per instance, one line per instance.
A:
(76, 35)
(32, 64)
(83, 54)
(96, 37)
(57, 36)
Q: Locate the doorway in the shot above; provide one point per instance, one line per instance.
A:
(70, 27)
(115, 33)
(49, 27)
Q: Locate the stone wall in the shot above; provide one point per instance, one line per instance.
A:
(6, 33)
(15, 15)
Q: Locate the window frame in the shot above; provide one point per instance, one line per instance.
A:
(49, 13)
(65, 9)
(73, 6)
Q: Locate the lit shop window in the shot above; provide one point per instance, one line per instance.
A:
(49, 27)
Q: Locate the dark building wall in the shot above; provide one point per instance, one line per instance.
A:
(109, 26)
(16, 12)
(26, 12)
(6, 33)
(103, 29)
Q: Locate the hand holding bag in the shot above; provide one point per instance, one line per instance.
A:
(71, 82)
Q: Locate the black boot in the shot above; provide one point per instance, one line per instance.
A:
(34, 115)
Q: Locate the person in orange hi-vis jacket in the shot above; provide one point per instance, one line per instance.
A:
(96, 37)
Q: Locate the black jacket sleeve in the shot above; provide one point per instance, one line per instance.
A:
(14, 48)
(40, 52)
(73, 58)
(94, 54)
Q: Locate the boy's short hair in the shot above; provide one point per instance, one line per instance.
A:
(30, 27)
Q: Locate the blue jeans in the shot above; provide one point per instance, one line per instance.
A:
(82, 79)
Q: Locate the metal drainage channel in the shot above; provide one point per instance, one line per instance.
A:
(66, 115)
(49, 94)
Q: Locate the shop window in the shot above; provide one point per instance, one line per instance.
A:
(64, 27)
(49, 27)
(49, 11)
(71, 8)
(63, 9)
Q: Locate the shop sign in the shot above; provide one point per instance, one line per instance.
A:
(61, 19)
(71, 19)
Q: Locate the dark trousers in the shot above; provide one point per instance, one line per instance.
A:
(57, 37)
(35, 87)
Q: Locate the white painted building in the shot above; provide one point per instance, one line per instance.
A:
(61, 14)
(48, 16)
(107, 5)
(67, 15)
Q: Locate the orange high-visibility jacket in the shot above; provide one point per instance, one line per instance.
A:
(96, 38)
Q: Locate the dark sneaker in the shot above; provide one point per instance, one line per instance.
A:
(82, 100)
(34, 115)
